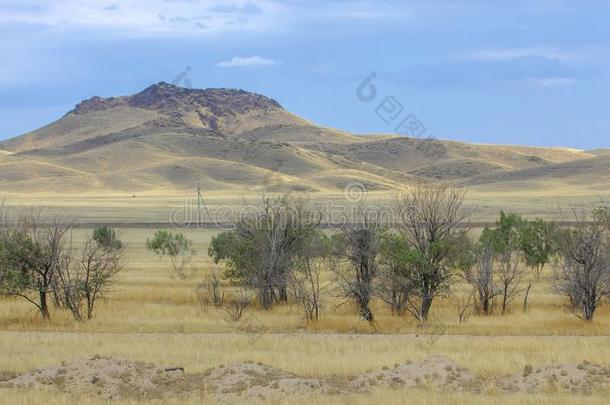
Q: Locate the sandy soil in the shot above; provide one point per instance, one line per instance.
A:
(111, 378)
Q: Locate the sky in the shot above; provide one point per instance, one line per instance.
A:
(509, 72)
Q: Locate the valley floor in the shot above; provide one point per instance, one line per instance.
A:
(154, 318)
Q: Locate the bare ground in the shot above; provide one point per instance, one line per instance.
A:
(112, 378)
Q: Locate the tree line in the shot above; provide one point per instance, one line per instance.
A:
(280, 253)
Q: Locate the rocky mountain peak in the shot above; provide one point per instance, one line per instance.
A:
(170, 99)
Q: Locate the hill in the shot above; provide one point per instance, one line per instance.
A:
(170, 138)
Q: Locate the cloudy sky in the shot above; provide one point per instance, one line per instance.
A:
(519, 72)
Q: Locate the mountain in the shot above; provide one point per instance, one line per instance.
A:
(170, 138)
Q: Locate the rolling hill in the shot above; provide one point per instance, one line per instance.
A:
(170, 138)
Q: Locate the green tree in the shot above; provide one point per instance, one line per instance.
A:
(260, 252)
(106, 237)
(601, 214)
(538, 244)
(433, 220)
(31, 255)
(505, 243)
(177, 247)
(20, 255)
(394, 287)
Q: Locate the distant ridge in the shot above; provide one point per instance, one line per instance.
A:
(167, 137)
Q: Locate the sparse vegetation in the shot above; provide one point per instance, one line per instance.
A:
(582, 275)
(90, 275)
(313, 262)
(432, 219)
(176, 247)
(260, 253)
(358, 245)
(31, 255)
(37, 260)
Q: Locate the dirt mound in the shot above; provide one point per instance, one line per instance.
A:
(577, 378)
(435, 371)
(106, 377)
(258, 381)
(111, 378)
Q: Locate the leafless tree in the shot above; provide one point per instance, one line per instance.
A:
(210, 290)
(582, 275)
(511, 272)
(307, 290)
(67, 290)
(88, 276)
(316, 255)
(361, 253)
(100, 266)
(481, 277)
(234, 309)
(463, 303)
(433, 221)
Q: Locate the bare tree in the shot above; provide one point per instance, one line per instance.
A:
(315, 256)
(510, 276)
(100, 266)
(210, 290)
(67, 290)
(361, 250)
(464, 304)
(433, 221)
(505, 241)
(88, 276)
(235, 308)
(481, 277)
(583, 273)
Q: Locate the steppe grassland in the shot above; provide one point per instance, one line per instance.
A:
(147, 298)
(152, 317)
(157, 206)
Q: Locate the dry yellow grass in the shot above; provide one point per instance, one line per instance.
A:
(305, 354)
(156, 206)
(155, 318)
(147, 299)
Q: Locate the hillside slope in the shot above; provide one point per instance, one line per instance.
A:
(170, 138)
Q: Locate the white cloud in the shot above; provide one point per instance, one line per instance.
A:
(514, 53)
(251, 61)
(145, 18)
(187, 18)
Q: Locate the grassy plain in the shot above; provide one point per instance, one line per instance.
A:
(153, 317)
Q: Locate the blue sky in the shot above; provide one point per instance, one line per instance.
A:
(518, 72)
